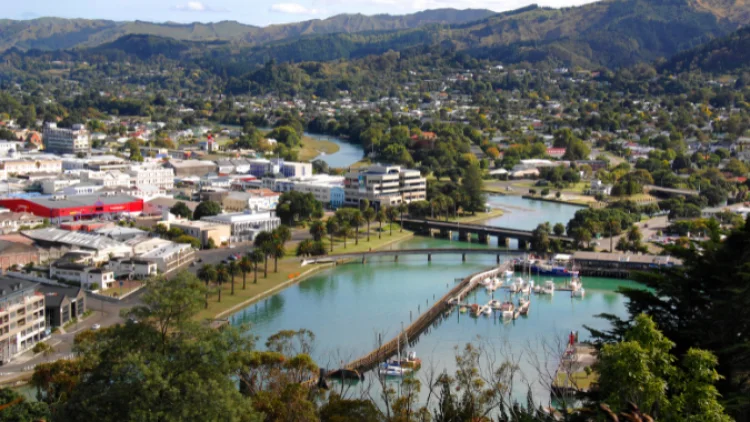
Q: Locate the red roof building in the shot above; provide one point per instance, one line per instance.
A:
(76, 207)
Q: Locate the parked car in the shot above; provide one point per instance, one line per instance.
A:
(96, 327)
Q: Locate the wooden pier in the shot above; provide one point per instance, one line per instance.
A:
(416, 328)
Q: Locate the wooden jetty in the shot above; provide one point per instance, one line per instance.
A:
(416, 328)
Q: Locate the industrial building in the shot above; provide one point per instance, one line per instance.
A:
(66, 208)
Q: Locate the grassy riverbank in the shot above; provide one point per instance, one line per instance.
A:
(311, 148)
(290, 272)
(475, 218)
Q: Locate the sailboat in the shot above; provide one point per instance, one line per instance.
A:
(394, 368)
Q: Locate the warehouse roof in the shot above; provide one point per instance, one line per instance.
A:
(84, 240)
(73, 201)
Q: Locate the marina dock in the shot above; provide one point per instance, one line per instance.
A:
(419, 325)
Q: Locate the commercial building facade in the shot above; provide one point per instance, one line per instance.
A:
(384, 186)
(22, 323)
(66, 208)
(246, 225)
(66, 141)
(62, 304)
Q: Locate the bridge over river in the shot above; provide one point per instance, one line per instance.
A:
(395, 253)
(466, 231)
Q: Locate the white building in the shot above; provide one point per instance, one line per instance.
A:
(91, 278)
(31, 165)
(50, 186)
(246, 225)
(255, 201)
(384, 185)
(66, 141)
(22, 321)
(9, 148)
(11, 222)
(162, 178)
(170, 257)
(107, 179)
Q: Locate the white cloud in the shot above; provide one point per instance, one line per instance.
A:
(196, 6)
(293, 9)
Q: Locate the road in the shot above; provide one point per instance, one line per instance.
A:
(648, 228)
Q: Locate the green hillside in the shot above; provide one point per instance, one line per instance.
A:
(609, 33)
(57, 33)
(726, 54)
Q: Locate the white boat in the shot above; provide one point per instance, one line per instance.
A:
(495, 304)
(391, 370)
(494, 285)
(549, 288)
(526, 289)
(486, 310)
(508, 274)
(578, 293)
(537, 289)
(507, 309)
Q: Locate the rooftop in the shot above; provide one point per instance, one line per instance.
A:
(54, 295)
(81, 200)
(83, 240)
(624, 257)
(166, 251)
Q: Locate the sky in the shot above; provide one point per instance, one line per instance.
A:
(254, 12)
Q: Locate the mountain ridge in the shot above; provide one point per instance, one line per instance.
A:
(52, 33)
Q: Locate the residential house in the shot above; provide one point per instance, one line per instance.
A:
(62, 304)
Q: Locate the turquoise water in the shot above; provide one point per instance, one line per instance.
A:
(527, 214)
(347, 154)
(352, 307)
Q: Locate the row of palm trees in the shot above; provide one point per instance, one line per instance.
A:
(348, 220)
(267, 244)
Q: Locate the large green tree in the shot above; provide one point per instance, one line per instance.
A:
(207, 209)
(164, 368)
(471, 187)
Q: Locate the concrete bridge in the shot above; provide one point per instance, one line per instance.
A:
(466, 231)
(395, 253)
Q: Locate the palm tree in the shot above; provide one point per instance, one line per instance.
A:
(391, 212)
(264, 242)
(357, 221)
(222, 276)
(402, 208)
(283, 232)
(332, 227)
(380, 216)
(233, 269)
(246, 265)
(277, 251)
(345, 230)
(207, 273)
(305, 247)
(256, 257)
(317, 230)
(369, 215)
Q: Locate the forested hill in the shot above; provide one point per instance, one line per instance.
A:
(58, 33)
(610, 33)
(726, 54)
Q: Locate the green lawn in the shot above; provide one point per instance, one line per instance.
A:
(311, 148)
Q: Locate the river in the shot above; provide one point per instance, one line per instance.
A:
(347, 154)
(350, 306)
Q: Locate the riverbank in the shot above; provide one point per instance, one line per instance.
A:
(477, 217)
(312, 148)
(562, 200)
(290, 272)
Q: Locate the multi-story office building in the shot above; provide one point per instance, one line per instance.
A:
(151, 175)
(21, 317)
(384, 186)
(245, 225)
(66, 141)
(260, 167)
